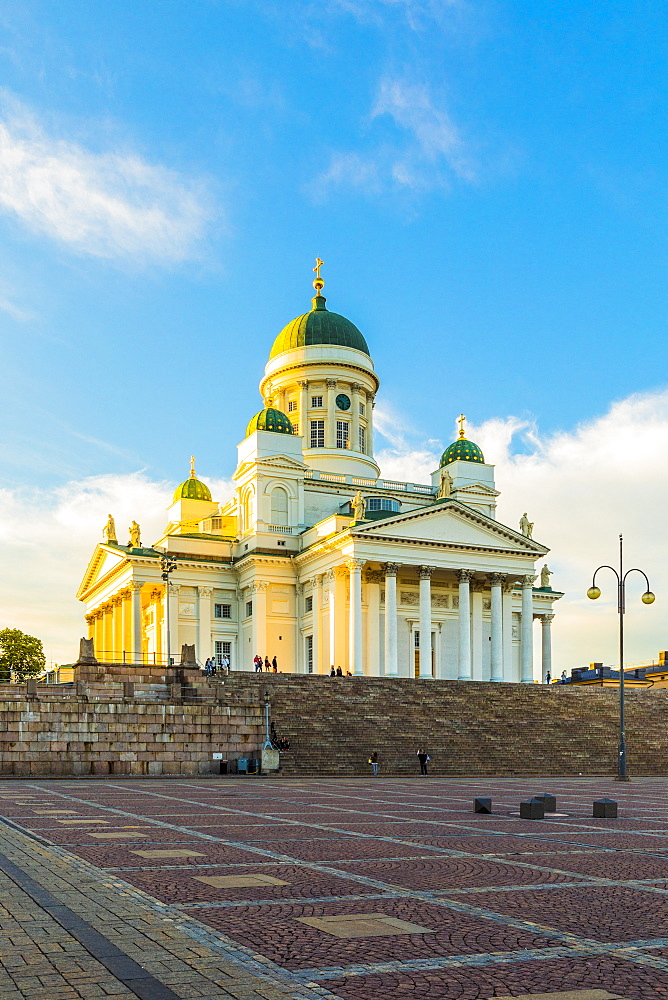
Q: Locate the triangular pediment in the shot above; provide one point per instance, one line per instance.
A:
(451, 523)
(478, 488)
(106, 560)
(270, 463)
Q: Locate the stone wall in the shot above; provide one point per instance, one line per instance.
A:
(111, 725)
(90, 729)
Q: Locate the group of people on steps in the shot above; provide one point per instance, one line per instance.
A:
(422, 756)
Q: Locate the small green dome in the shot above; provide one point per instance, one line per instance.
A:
(319, 327)
(192, 489)
(462, 450)
(270, 420)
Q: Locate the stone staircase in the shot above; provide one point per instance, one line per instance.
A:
(468, 728)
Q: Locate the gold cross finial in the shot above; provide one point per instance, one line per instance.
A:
(461, 422)
(192, 466)
(318, 284)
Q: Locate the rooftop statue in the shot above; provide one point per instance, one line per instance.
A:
(445, 489)
(135, 536)
(526, 526)
(109, 530)
(545, 575)
(358, 505)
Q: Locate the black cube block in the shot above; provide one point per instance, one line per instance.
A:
(605, 809)
(482, 805)
(549, 802)
(533, 809)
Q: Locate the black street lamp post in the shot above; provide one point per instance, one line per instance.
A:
(647, 598)
(167, 565)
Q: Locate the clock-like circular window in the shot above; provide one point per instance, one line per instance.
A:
(343, 401)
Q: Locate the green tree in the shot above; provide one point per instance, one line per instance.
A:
(20, 655)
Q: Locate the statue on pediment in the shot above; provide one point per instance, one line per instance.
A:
(526, 526)
(545, 575)
(135, 536)
(109, 530)
(358, 504)
(445, 489)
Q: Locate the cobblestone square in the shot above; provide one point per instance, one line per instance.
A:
(231, 888)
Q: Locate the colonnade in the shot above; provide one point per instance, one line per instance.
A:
(470, 632)
(117, 625)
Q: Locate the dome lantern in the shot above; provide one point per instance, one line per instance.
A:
(462, 450)
(319, 327)
(192, 488)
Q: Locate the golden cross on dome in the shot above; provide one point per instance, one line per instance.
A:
(192, 466)
(318, 284)
(461, 422)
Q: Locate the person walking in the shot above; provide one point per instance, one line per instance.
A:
(424, 759)
(373, 760)
(267, 664)
(274, 665)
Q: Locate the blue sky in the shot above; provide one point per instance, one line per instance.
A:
(486, 182)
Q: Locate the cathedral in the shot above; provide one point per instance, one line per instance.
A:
(316, 560)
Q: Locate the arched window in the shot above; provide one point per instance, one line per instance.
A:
(279, 506)
(248, 509)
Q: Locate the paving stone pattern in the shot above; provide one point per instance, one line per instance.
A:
(341, 889)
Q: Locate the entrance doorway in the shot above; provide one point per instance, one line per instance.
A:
(416, 653)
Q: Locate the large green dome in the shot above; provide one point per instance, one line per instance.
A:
(319, 327)
(462, 450)
(192, 489)
(270, 420)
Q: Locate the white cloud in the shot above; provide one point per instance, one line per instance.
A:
(16, 312)
(48, 537)
(426, 152)
(113, 204)
(581, 488)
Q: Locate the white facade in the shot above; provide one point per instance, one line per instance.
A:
(283, 568)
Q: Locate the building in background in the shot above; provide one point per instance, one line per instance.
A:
(318, 561)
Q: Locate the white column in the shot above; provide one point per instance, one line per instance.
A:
(391, 570)
(476, 629)
(527, 630)
(370, 403)
(299, 666)
(373, 581)
(260, 619)
(204, 650)
(330, 417)
(136, 630)
(355, 417)
(508, 659)
(331, 607)
(438, 650)
(464, 625)
(316, 596)
(424, 573)
(546, 645)
(234, 653)
(496, 581)
(355, 617)
(304, 428)
(174, 589)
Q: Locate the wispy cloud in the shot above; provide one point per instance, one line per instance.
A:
(16, 312)
(581, 488)
(112, 204)
(413, 145)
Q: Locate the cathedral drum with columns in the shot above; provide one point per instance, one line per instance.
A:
(316, 560)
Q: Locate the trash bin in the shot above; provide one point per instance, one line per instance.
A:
(253, 766)
(242, 765)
